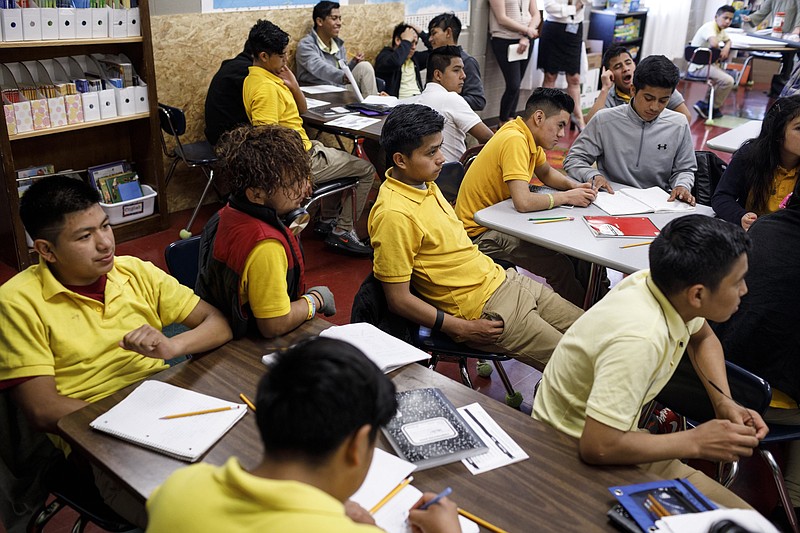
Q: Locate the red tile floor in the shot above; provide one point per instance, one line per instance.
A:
(344, 274)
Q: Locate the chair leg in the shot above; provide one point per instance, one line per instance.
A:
(777, 475)
(513, 397)
(171, 171)
(40, 519)
(187, 232)
(724, 478)
(353, 197)
(710, 119)
(462, 367)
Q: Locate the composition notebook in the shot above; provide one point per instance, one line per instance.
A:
(630, 201)
(137, 419)
(621, 226)
(388, 352)
(428, 431)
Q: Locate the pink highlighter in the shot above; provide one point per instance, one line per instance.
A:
(785, 201)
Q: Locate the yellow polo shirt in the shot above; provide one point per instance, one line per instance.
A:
(614, 359)
(511, 154)
(418, 238)
(267, 100)
(408, 80)
(48, 330)
(227, 498)
(263, 283)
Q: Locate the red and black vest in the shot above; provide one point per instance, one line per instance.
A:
(228, 238)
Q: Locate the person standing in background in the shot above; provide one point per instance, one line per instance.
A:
(791, 26)
(512, 23)
(560, 48)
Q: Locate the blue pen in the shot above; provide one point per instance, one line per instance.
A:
(444, 494)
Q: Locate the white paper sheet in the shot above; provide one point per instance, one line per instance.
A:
(502, 448)
(319, 89)
(352, 122)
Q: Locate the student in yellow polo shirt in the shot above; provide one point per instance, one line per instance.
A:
(318, 410)
(620, 354)
(504, 169)
(272, 95)
(82, 323)
(419, 242)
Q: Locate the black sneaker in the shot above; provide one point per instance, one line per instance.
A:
(717, 113)
(701, 108)
(324, 227)
(348, 242)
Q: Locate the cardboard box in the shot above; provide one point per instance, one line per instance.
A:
(595, 60)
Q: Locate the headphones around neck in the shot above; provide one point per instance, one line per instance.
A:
(296, 220)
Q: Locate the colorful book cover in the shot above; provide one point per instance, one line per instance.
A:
(621, 226)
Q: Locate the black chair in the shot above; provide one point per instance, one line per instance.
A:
(198, 154)
(703, 57)
(685, 395)
(370, 306)
(183, 260)
(469, 156)
(449, 180)
(709, 171)
(336, 186)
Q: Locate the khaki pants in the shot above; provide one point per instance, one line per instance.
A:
(329, 164)
(534, 318)
(555, 267)
(364, 74)
(675, 469)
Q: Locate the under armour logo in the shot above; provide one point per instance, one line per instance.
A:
(662, 146)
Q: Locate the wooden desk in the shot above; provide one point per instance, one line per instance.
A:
(553, 490)
(731, 140)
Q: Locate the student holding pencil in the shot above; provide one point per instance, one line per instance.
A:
(312, 463)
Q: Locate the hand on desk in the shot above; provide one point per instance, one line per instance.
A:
(580, 196)
(480, 331)
(681, 193)
(441, 517)
(149, 342)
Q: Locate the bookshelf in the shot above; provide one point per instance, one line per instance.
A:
(619, 28)
(135, 138)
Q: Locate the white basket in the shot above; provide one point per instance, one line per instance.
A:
(132, 209)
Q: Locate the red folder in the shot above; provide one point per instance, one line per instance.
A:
(621, 226)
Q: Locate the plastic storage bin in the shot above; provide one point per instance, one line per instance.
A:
(131, 210)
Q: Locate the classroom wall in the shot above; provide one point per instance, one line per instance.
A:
(188, 49)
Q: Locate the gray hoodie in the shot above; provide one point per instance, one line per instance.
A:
(633, 152)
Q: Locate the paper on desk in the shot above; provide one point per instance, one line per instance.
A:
(491, 433)
(750, 520)
(382, 349)
(319, 89)
(388, 101)
(385, 472)
(312, 103)
(393, 517)
(352, 122)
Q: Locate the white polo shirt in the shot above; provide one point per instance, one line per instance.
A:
(459, 118)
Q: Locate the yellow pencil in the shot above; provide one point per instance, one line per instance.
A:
(391, 495)
(480, 521)
(636, 244)
(246, 400)
(203, 412)
(565, 219)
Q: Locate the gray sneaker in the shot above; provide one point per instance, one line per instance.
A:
(349, 242)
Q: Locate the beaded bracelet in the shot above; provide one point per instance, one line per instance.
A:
(552, 201)
(312, 306)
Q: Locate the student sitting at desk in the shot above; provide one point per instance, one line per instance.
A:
(82, 323)
(621, 353)
(251, 262)
(419, 242)
(617, 81)
(762, 336)
(318, 410)
(319, 52)
(396, 65)
(504, 168)
(443, 30)
(443, 92)
(764, 170)
(642, 144)
(712, 35)
(271, 95)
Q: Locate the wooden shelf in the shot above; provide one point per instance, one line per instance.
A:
(81, 126)
(68, 42)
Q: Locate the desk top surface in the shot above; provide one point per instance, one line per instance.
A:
(573, 237)
(731, 140)
(741, 40)
(318, 121)
(552, 488)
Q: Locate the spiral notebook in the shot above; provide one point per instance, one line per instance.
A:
(138, 419)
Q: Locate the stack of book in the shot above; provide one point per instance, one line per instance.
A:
(116, 182)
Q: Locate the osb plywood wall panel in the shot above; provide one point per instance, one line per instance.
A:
(188, 50)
